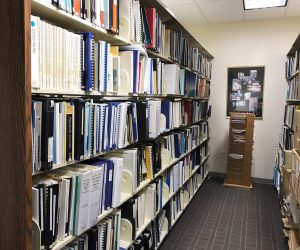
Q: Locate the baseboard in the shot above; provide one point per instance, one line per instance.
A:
(217, 175)
(262, 181)
(254, 179)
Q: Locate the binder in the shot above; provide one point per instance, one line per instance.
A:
(79, 128)
(190, 84)
(113, 124)
(47, 134)
(37, 131)
(69, 131)
(93, 11)
(147, 238)
(116, 179)
(96, 191)
(165, 110)
(126, 19)
(141, 121)
(156, 157)
(127, 72)
(138, 244)
(109, 173)
(132, 107)
(129, 212)
(146, 33)
(93, 238)
(83, 179)
(106, 10)
(35, 70)
(88, 61)
(149, 161)
(151, 21)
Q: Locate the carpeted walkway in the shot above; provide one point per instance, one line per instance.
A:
(225, 218)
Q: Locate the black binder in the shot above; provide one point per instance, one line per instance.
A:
(79, 129)
(129, 214)
(148, 242)
(47, 134)
(93, 239)
(138, 244)
(141, 108)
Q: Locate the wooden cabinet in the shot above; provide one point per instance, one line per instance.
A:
(240, 145)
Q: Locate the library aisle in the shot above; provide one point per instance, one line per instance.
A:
(227, 218)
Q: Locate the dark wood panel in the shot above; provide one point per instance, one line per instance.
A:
(15, 133)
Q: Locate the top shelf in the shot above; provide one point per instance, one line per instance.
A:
(294, 47)
(169, 19)
(67, 21)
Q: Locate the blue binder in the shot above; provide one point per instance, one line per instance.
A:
(165, 110)
(108, 185)
(88, 70)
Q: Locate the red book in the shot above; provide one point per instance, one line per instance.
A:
(188, 105)
(77, 8)
(102, 14)
(151, 20)
(114, 16)
(201, 88)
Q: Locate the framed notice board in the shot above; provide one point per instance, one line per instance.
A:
(245, 90)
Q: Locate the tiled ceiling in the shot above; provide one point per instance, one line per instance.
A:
(197, 12)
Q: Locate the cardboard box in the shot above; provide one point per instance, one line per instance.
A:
(286, 179)
(294, 209)
(288, 159)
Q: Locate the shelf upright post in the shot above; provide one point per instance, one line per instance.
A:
(15, 123)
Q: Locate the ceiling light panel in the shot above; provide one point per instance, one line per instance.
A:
(260, 4)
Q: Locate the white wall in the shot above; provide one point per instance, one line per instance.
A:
(249, 44)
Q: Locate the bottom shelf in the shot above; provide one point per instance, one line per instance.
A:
(164, 234)
(126, 245)
(60, 244)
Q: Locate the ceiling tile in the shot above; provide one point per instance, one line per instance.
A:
(176, 2)
(293, 2)
(188, 14)
(223, 17)
(264, 13)
(220, 6)
(293, 11)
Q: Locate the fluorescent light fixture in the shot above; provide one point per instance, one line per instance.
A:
(260, 4)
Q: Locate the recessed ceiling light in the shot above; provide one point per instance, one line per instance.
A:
(261, 4)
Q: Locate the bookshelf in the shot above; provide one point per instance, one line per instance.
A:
(287, 157)
(16, 175)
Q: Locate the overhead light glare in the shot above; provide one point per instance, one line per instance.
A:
(261, 4)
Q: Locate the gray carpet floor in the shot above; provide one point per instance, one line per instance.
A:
(228, 218)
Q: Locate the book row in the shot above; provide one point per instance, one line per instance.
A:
(69, 201)
(289, 114)
(293, 91)
(62, 60)
(103, 236)
(290, 135)
(162, 190)
(157, 224)
(139, 24)
(292, 65)
(287, 138)
(76, 129)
